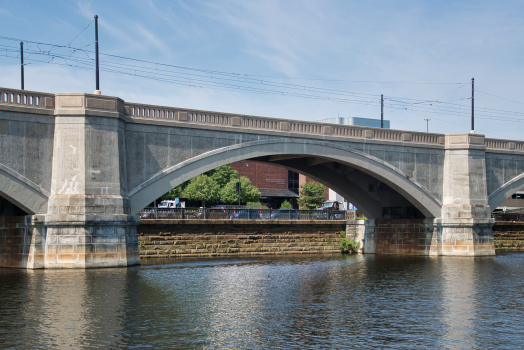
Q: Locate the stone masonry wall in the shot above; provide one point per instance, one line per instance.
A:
(406, 237)
(190, 238)
(508, 235)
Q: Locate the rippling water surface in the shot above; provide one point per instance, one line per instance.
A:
(305, 302)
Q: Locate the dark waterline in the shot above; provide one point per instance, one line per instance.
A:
(312, 302)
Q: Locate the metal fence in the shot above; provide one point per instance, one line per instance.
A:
(246, 213)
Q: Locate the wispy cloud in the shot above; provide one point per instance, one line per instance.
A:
(131, 34)
(278, 35)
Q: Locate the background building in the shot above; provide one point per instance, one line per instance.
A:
(275, 183)
(373, 123)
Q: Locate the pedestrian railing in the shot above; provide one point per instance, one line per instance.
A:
(246, 213)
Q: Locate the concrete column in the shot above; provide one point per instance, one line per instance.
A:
(89, 223)
(466, 225)
(362, 231)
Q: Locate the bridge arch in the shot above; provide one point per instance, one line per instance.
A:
(505, 191)
(171, 177)
(20, 191)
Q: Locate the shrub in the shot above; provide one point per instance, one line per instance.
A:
(348, 245)
(286, 205)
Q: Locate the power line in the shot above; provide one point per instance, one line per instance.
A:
(69, 45)
(503, 98)
(203, 78)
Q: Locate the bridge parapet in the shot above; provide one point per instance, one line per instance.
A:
(504, 145)
(259, 124)
(27, 100)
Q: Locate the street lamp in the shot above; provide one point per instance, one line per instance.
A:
(238, 183)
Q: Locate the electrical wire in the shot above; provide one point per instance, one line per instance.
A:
(211, 79)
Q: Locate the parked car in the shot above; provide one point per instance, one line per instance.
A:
(284, 214)
(246, 214)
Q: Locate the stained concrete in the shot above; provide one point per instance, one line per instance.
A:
(75, 161)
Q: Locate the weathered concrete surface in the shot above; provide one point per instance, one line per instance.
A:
(81, 160)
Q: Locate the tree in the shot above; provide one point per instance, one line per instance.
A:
(311, 195)
(248, 192)
(202, 188)
(286, 205)
(175, 192)
(223, 175)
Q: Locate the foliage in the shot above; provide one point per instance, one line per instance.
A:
(255, 205)
(348, 245)
(361, 217)
(311, 195)
(248, 192)
(202, 188)
(286, 205)
(175, 192)
(223, 175)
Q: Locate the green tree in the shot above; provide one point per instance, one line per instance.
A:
(175, 192)
(202, 188)
(286, 205)
(311, 195)
(248, 192)
(223, 175)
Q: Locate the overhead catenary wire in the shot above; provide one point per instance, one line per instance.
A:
(204, 78)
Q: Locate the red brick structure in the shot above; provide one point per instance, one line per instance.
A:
(272, 182)
(263, 175)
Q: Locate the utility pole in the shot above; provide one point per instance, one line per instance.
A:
(97, 91)
(22, 64)
(427, 124)
(472, 105)
(382, 111)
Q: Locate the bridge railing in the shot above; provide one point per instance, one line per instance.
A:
(24, 98)
(138, 110)
(498, 144)
(246, 214)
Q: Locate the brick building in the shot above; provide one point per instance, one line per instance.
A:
(277, 184)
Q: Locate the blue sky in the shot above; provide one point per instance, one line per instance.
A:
(357, 50)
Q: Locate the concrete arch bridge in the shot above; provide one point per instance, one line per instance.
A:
(76, 168)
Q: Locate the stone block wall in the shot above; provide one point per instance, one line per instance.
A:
(406, 237)
(21, 242)
(508, 235)
(193, 238)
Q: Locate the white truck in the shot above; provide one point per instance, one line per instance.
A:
(167, 204)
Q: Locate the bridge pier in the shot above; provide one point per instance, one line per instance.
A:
(466, 224)
(88, 223)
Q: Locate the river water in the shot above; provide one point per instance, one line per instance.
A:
(299, 302)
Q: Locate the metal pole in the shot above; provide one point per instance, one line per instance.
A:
(472, 105)
(22, 64)
(238, 183)
(96, 54)
(382, 111)
(427, 124)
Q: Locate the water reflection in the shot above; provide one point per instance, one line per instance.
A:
(285, 302)
(459, 305)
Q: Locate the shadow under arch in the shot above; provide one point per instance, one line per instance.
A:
(171, 177)
(505, 191)
(20, 191)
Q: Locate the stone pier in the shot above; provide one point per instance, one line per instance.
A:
(79, 167)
